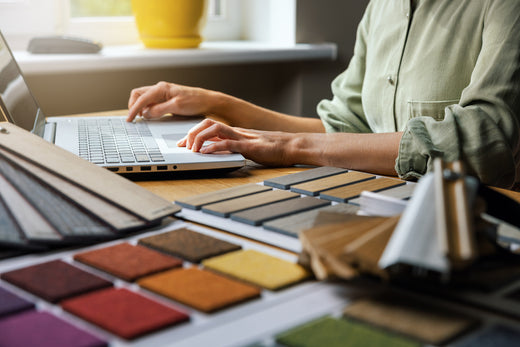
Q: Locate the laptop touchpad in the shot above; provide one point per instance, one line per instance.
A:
(172, 139)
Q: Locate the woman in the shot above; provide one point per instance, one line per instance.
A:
(428, 78)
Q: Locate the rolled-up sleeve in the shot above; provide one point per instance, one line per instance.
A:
(482, 130)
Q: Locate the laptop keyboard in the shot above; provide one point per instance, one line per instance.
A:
(115, 141)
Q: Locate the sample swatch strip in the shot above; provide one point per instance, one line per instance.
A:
(228, 276)
(40, 210)
(300, 195)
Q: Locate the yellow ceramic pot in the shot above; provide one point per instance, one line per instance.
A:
(170, 23)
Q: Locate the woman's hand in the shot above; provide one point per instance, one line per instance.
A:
(164, 98)
(264, 147)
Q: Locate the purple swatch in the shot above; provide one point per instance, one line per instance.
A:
(11, 303)
(42, 329)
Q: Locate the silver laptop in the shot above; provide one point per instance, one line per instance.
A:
(111, 142)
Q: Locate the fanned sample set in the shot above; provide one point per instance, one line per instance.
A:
(49, 197)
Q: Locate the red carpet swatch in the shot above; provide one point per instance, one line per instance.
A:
(127, 261)
(124, 313)
(200, 289)
(188, 244)
(42, 329)
(55, 280)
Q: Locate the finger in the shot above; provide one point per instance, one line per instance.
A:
(193, 132)
(217, 130)
(224, 145)
(148, 98)
(182, 142)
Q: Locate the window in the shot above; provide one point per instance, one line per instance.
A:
(111, 21)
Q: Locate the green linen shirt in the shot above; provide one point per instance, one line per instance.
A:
(447, 74)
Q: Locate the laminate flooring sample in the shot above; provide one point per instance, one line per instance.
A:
(402, 192)
(294, 224)
(256, 216)
(226, 208)
(343, 194)
(188, 244)
(201, 289)
(55, 280)
(127, 261)
(315, 187)
(197, 201)
(284, 182)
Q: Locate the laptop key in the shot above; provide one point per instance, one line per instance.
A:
(141, 158)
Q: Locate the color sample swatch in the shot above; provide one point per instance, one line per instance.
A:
(256, 216)
(426, 322)
(42, 329)
(286, 181)
(258, 268)
(332, 332)
(200, 289)
(11, 303)
(315, 187)
(197, 201)
(188, 244)
(124, 313)
(127, 261)
(226, 208)
(343, 194)
(55, 280)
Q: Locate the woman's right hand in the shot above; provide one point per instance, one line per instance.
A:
(168, 98)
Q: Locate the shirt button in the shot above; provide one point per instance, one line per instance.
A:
(390, 80)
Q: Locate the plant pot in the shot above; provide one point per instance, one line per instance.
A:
(170, 23)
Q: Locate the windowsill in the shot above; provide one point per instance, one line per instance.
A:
(138, 57)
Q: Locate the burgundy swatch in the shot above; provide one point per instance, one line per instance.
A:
(55, 280)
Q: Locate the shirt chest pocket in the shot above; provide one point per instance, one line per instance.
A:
(433, 109)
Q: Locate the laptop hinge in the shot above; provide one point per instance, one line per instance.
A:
(50, 132)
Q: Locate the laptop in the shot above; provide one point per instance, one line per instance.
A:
(110, 142)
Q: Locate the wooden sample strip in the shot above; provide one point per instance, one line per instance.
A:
(196, 202)
(296, 223)
(284, 182)
(315, 187)
(403, 192)
(343, 194)
(427, 322)
(256, 216)
(226, 208)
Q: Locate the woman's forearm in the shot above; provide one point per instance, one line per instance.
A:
(240, 113)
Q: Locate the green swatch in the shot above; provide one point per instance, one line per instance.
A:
(331, 332)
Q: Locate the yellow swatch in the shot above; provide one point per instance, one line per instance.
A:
(258, 268)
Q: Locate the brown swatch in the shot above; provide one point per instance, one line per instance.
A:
(55, 280)
(317, 186)
(200, 289)
(256, 216)
(426, 322)
(225, 208)
(284, 182)
(342, 194)
(124, 313)
(127, 261)
(197, 201)
(188, 244)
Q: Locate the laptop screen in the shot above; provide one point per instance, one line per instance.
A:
(17, 104)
